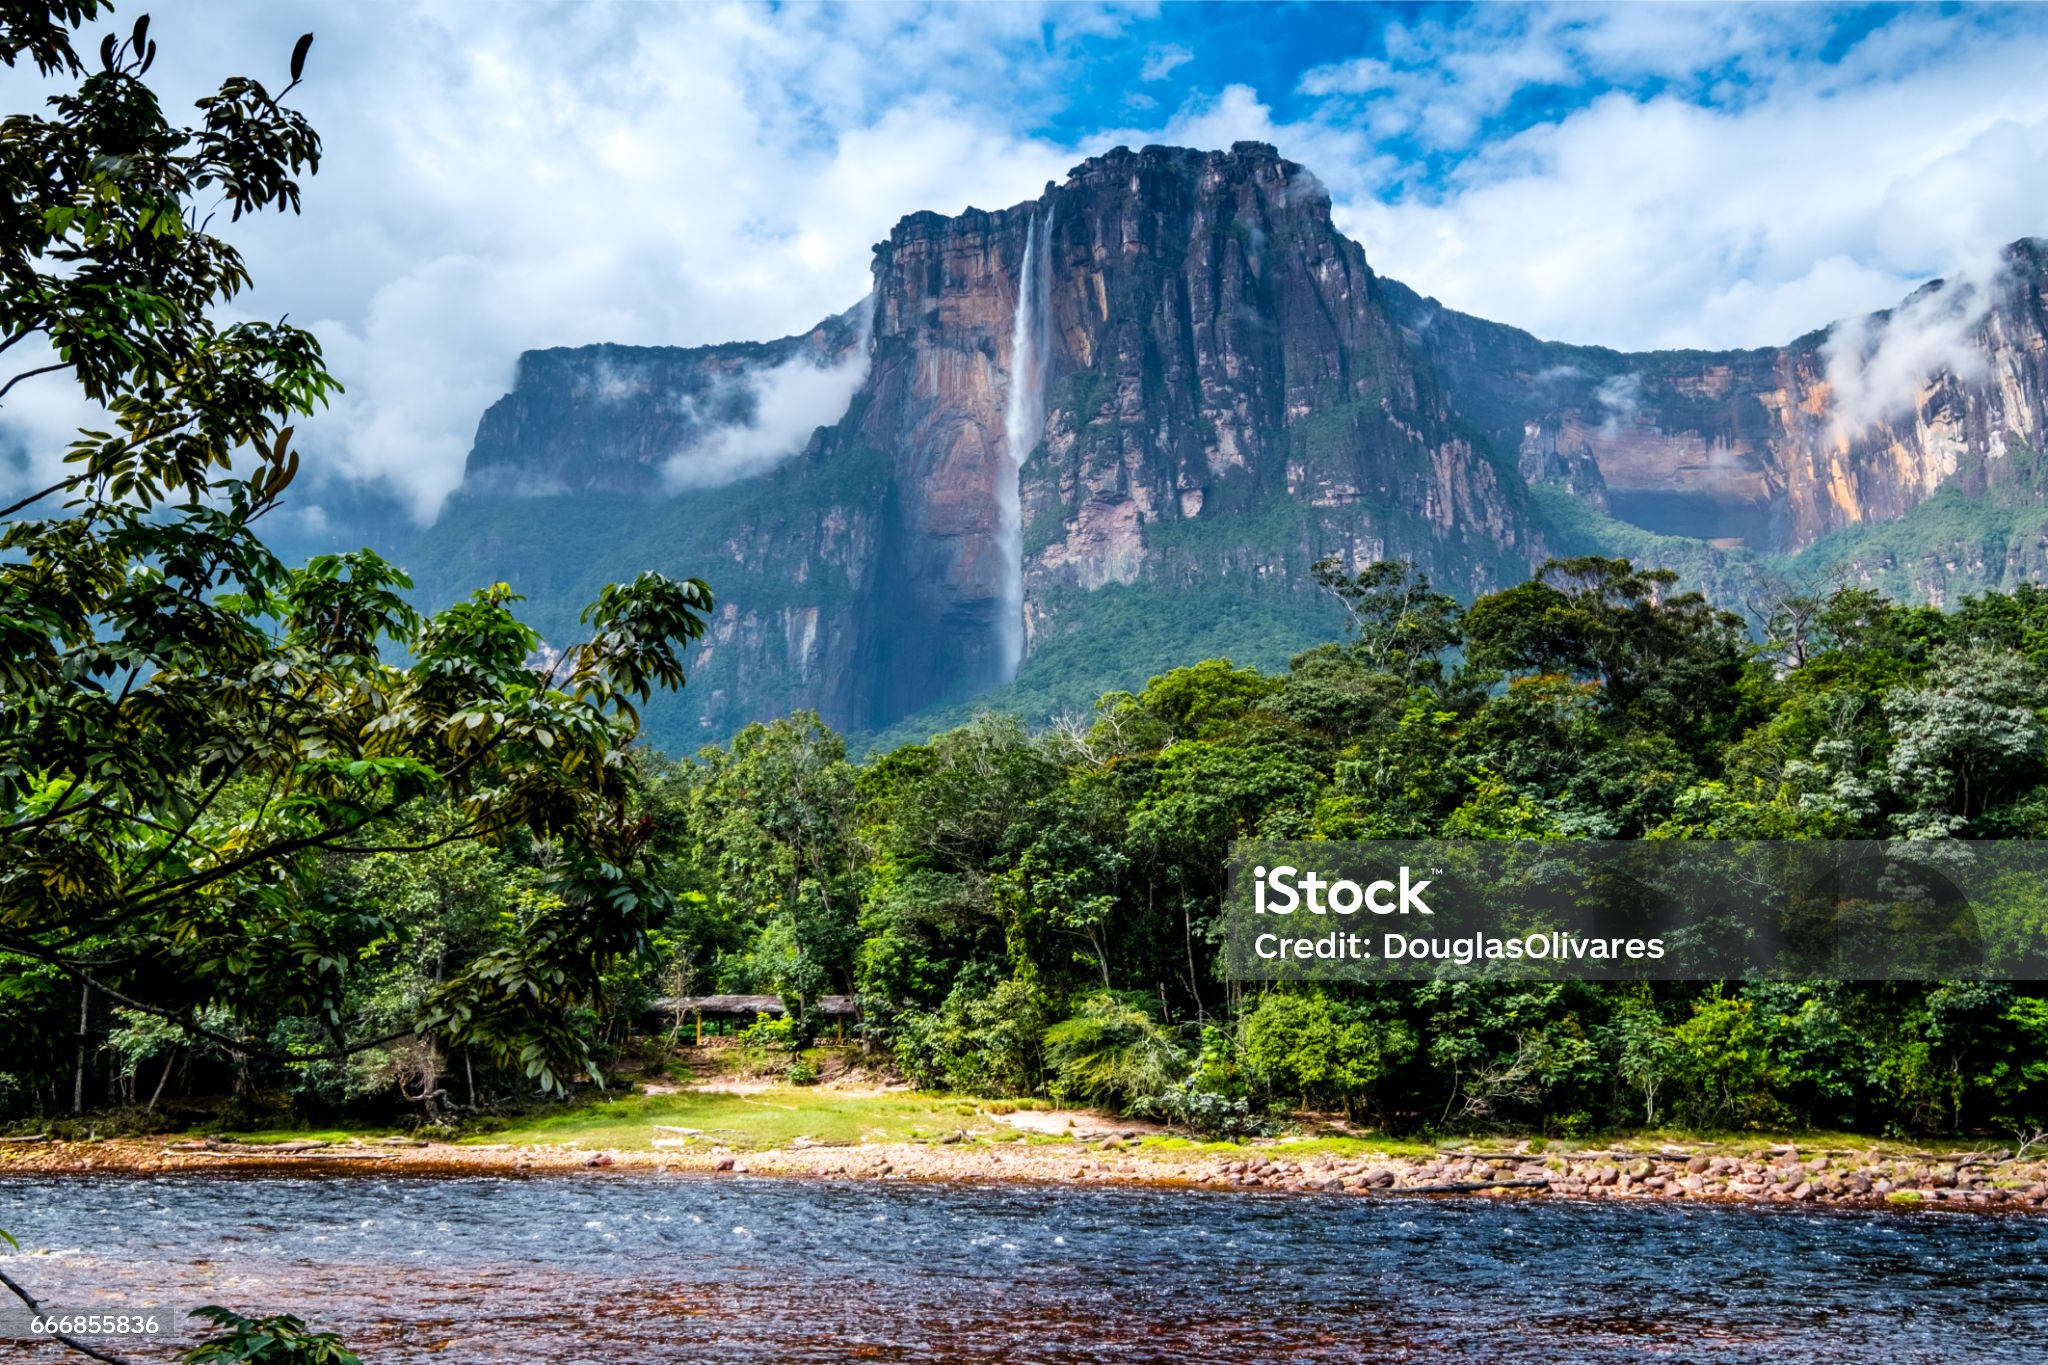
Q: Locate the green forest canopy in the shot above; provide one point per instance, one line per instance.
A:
(1035, 914)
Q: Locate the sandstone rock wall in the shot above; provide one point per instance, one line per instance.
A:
(1217, 348)
(1758, 447)
(1230, 393)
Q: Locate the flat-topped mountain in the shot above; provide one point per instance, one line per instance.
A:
(1072, 442)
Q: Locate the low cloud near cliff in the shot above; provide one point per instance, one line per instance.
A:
(790, 401)
(1877, 365)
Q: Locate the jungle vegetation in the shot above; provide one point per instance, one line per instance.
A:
(271, 833)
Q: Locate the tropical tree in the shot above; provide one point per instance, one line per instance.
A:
(1109, 1051)
(185, 723)
(772, 816)
(1968, 736)
(1400, 623)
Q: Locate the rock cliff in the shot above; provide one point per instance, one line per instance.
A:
(1108, 430)
(635, 419)
(1770, 449)
(1214, 354)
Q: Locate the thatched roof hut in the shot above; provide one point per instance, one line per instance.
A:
(748, 1006)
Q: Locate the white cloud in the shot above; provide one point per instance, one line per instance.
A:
(1162, 62)
(1341, 157)
(790, 401)
(1876, 367)
(503, 179)
(1442, 82)
(43, 417)
(1652, 222)
(1746, 193)
(1620, 397)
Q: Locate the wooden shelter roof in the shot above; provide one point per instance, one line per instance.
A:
(747, 1006)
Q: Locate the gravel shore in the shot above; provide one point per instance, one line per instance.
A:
(1731, 1172)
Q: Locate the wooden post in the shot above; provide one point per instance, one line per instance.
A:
(158, 1093)
(78, 1076)
(700, 1028)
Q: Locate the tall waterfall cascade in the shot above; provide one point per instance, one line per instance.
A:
(1023, 422)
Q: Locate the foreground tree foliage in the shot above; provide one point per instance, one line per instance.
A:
(190, 731)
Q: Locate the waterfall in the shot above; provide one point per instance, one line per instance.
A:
(1023, 419)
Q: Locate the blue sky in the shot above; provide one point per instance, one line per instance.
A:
(517, 174)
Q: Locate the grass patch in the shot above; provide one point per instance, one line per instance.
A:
(771, 1118)
(270, 1136)
(1183, 1144)
(1346, 1148)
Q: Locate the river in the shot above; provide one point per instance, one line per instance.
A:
(610, 1268)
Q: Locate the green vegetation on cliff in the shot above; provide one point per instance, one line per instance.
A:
(1986, 529)
(1955, 543)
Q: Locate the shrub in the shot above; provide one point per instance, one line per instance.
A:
(1215, 1115)
(770, 1031)
(766, 1044)
(1111, 1052)
(1724, 1069)
(982, 1041)
(280, 1339)
(1311, 1049)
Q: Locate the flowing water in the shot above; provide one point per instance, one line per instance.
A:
(695, 1268)
(1023, 420)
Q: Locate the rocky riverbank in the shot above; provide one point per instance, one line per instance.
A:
(1782, 1175)
(1726, 1172)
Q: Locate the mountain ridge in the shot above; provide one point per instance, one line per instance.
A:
(1227, 392)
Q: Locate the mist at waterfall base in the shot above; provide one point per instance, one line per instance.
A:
(653, 1268)
(1023, 421)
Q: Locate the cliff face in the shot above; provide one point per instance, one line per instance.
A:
(1771, 449)
(1211, 350)
(1113, 426)
(1220, 348)
(633, 419)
